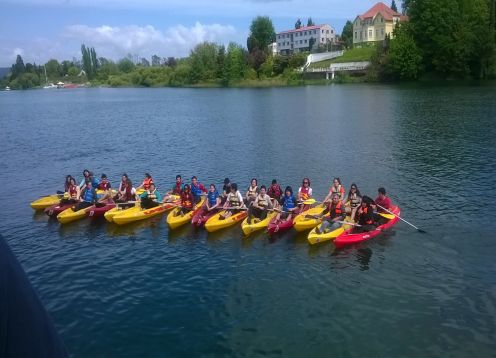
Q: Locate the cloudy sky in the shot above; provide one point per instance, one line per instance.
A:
(39, 30)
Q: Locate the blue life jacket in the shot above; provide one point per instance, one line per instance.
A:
(196, 190)
(95, 182)
(89, 195)
(212, 197)
(289, 202)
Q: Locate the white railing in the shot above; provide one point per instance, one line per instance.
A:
(317, 57)
(345, 66)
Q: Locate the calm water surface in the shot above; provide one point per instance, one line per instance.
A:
(143, 290)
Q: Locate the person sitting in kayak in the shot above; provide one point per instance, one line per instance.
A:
(86, 175)
(353, 200)
(289, 205)
(226, 189)
(364, 216)
(175, 190)
(104, 183)
(336, 187)
(234, 202)
(260, 205)
(72, 191)
(187, 200)
(305, 191)
(147, 181)
(275, 192)
(67, 184)
(87, 196)
(213, 200)
(126, 192)
(251, 192)
(337, 212)
(151, 197)
(197, 189)
(384, 201)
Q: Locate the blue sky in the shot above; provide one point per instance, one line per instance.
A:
(44, 29)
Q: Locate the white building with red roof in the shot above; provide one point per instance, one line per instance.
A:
(298, 40)
(375, 24)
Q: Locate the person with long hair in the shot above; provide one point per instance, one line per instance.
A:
(353, 200)
(337, 188)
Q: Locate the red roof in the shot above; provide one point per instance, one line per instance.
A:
(303, 28)
(381, 8)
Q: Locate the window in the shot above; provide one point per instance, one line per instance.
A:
(332, 31)
(370, 33)
(382, 32)
(314, 32)
(376, 33)
(327, 31)
(305, 41)
(355, 35)
(322, 31)
(301, 41)
(322, 39)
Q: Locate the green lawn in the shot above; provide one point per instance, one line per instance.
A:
(353, 55)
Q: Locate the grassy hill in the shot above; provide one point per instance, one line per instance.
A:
(353, 55)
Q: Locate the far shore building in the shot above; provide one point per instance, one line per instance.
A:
(298, 40)
(375, 24)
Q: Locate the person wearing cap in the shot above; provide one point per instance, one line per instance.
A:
(147, 181)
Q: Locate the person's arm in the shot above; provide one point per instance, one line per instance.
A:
(143, 195)
(328, 195)
(269, 204)
(240, 198)
(159, 196)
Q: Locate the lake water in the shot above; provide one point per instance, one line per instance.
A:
(143, 290)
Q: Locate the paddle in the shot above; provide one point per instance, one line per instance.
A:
(347, 223)
(419, 230)
(387, 216)
(308, 201)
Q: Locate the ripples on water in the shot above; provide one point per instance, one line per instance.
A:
(143, 290)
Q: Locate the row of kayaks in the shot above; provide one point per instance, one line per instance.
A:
(306, 218)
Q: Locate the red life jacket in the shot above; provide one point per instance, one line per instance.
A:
(365, 211)
(187, 200)
(147, 182)
(275, 191)
(177, 188)
(72, 191)
(104, 185)
(304, 192)
(128, 191)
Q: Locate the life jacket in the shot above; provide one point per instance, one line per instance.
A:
(234, 199)
(147, 182)
(335, 211)
(365, 211)
(89, 195)
(72, 190)
(187, 200)
(275, 191)
(196, 190)
(104, 185)
(289, 202)
(354, 200)
(263, 202)
(305, 192)
(212, 197)
(128, 191)
(339, 190)
(152, 196)
(252, 191)
(177, 188)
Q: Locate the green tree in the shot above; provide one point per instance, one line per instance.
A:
(347, 34)
(126, 65)
(73, 71)
(53, 69)
(310, 22)
(393, 6)
(18, 68)
(203, 61)
(235, 62)
(404, 55)
(94, 61)
(298, 24)
(405, 6)
(155, 60)
(262, 34)
(86, 58)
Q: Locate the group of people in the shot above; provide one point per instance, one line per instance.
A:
(258, 200)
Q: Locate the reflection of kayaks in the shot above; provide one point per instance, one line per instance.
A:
(305, 221)
(256, 223)
(315, 238)
(349, 238)
(201, 217)
(175, 219)
(56, 209)
(217, 222)
(46, 201)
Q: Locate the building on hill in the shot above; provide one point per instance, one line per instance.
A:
(298, 40)
(375, 24)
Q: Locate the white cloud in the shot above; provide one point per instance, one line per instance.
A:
(117, 42)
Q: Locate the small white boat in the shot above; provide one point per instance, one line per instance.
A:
(7, 88)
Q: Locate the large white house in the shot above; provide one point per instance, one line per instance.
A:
(298, 40)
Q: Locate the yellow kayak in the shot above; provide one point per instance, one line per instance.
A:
(46, 201)
(136, 213)
(303, 221)
(216, 222)
(69, 215)
(315, 238)
(256, 223)
(175, 219)
(109, 215)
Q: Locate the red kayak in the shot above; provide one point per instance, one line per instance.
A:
(348, 238)
(96, 211)
(55, 210)
(202, 216)
(280, 226)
